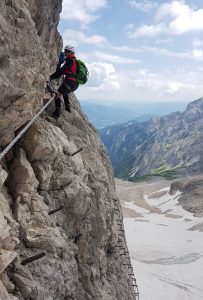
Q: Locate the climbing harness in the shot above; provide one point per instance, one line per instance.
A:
(52, 92)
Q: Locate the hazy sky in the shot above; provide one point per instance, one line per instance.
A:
(137, 50)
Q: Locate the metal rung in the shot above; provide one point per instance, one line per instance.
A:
(33, 258)
(51, 212)
(76, 152)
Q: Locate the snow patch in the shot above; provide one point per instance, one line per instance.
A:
(164, 252)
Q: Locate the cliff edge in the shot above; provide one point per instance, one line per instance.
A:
(82, 244)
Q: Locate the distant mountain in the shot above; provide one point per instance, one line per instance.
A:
(102, 116)
(157, 108)
(166, 146)
(105, 115)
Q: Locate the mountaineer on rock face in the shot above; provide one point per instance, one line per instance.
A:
(69, 83)
(74, 72)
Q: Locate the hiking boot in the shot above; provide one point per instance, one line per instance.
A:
(57, 113)
(68, 108)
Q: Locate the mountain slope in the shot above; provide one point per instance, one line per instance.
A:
(166, 146)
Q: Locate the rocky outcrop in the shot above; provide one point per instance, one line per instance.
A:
(191, 189)
(78, 244)
(28, 49)
(79, 240)
(169, 146)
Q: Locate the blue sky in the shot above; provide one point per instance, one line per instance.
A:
(149, 51)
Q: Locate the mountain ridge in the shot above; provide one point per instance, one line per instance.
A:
(103, 115)
(168, 146)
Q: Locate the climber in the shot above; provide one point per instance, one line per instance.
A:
(61, 61)
(69, 84)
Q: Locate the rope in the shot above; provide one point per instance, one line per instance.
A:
(3, 153)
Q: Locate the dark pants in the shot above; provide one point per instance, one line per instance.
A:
(65, 88)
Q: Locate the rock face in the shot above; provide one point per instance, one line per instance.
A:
(167, 146)
(80, 241)
(28, 46)
(191, 194)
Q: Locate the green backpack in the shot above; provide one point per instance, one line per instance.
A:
(82, 72)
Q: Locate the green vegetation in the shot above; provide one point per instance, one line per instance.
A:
(163, 171)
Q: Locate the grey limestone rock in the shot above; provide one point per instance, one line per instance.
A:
(191, 189)
(40, 174)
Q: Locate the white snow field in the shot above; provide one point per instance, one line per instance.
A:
(166, 255)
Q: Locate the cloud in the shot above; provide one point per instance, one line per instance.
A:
(83, 11)
(184, 19)
(114, 58)
(168, 42)
(123, 48)
(102, 77)
(107, 58)
(144, 5)
(166, 85)
(173, 18)
(155, 50)
(145, 79)
(145, 30)
(165, 52)
(197, 43)
(197, 54)
(111, 85)
(174, 87)
(76, 38)
(194, 54)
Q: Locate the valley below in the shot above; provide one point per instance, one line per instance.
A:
(164, 240)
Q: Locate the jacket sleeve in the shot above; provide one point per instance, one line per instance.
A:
(57, 74)
(60, 71)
